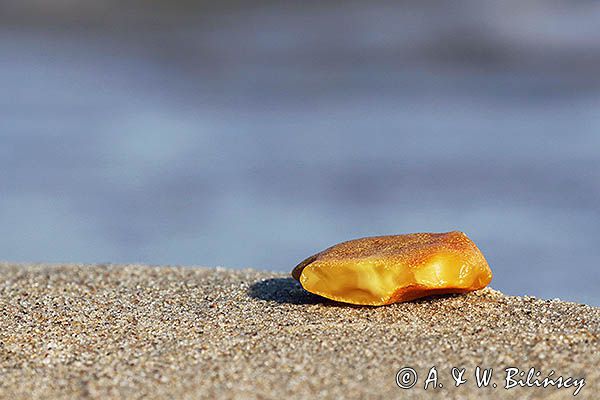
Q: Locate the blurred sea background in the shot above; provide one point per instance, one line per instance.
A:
(246, 134)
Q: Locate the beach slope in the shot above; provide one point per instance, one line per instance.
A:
(82, 331)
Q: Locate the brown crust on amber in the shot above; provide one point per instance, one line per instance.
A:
(416, 246)
(297, 271)
(415, 292)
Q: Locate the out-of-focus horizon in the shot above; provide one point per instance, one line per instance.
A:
(249, 134)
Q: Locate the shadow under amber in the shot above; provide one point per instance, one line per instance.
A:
(289, 291)
(283, 290)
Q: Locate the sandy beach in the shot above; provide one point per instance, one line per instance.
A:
(82, 331)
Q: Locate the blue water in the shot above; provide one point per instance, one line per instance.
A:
(255, 138)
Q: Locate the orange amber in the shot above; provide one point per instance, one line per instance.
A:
(389, 269)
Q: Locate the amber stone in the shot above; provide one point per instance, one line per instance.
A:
(388, 269)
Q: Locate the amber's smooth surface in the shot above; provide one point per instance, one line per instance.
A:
(388, 269)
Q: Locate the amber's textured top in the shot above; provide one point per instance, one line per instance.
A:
(411, 249)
